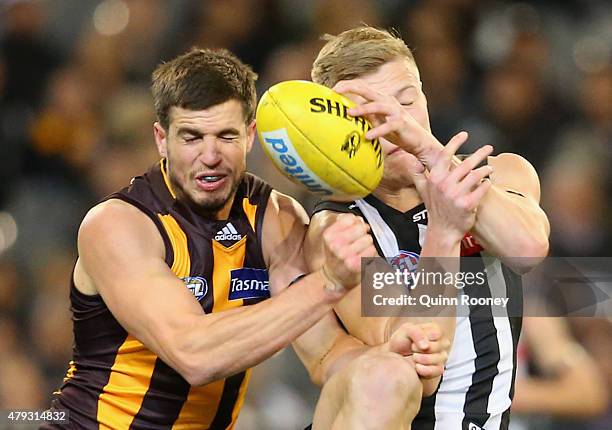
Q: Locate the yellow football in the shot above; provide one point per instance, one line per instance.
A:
(307, 133)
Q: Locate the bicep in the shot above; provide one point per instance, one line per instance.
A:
(284, 228)
(123, 254)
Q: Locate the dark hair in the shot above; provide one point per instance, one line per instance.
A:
(202, 78)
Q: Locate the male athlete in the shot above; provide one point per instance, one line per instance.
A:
(379, 73)
(168, 293)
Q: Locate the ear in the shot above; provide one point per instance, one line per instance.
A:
(160, 139)
(250, 135)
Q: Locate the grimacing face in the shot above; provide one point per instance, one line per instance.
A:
(400, 78)
(206, 153)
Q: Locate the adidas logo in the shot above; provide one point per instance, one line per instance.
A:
(228, 233)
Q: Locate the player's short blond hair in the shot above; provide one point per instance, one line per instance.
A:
(356, 52)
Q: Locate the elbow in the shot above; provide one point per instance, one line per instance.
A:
(195, 376)
(195, 372)
(530, 252)
(196, 369)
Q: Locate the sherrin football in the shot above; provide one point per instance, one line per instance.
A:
(307, 133)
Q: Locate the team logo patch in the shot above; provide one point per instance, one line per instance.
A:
(228, 232)
(248, 283)
(473, 426)
(197, 285)
(405, 260)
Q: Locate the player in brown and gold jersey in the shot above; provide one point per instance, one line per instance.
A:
(169, 291)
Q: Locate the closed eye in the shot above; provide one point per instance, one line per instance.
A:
(228, 137)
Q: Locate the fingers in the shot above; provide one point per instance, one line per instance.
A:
(436, 359)
(464, 168)
(359, 88)
(472, 179)
(347, 241)
(418, 336)
(428, 372)
(372, 108)
(400, 344)
(346, 228)
(356, 250)
(444, 161)
(473, 199)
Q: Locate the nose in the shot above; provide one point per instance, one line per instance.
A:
(210, 155)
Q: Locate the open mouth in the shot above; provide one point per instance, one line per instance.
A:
(210, 181)
(210, 178)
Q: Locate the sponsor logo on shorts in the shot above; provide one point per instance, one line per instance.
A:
(249, 283)
(282, 150)
(197, 285)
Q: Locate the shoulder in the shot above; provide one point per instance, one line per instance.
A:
(255, 188)
(283, 209)
(284, 228)
(118, 223)
(514, 173)
(511, 162)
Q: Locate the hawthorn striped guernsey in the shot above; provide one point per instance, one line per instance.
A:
(114, 381)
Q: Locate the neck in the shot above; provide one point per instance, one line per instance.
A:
(217, 214)
(400, 198)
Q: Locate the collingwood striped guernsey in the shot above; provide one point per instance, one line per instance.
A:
(478, 383)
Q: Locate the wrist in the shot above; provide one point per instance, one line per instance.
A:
(333, 289)
(443, 240)
(429, 153)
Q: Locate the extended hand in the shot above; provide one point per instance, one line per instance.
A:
(452, 194)
(426, 344)
(389, 119)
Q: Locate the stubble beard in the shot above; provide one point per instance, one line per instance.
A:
(210, 206)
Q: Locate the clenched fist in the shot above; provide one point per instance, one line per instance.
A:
(345, 243)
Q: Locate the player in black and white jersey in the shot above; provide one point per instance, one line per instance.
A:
(378, 71)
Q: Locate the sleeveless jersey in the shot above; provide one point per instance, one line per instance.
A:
(114, 381)
(478, 382)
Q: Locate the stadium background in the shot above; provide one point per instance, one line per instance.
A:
(75, 124)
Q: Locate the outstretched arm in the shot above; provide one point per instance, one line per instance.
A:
(128, 269)
(510, 222)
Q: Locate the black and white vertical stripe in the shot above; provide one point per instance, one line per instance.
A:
(477, 385)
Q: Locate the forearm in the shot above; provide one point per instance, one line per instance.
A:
(508, 225)
(225, 343)
(558, 398)
(440, 252)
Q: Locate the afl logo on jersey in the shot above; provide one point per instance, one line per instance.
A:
(197, 285)
(405, 260)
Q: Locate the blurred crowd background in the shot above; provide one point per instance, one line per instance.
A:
(76, 118)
